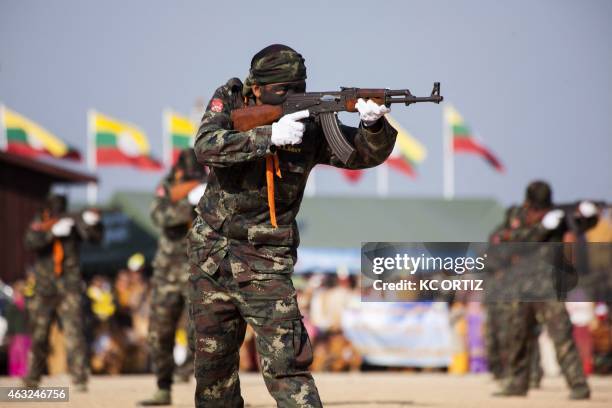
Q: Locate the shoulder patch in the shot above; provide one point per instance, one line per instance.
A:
(216, 105)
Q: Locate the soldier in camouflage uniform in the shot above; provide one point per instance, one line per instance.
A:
(541, 225)
(173, 212)
(243, 243)
(55, 238)
(499, 311)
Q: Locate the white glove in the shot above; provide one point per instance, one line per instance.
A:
(288, 130)
(587, 209)
(62, 227)
(370, 111)
(90, 217)
(552, 219)
(196, 193)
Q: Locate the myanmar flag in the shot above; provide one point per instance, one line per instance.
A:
(120, 143)
(464, 141)
(26, 138)
(407, 152)
(179, 133)
(352, 176)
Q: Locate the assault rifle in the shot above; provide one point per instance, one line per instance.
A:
(47, 223)
(90, 232)
(578, 224)
(324, 106)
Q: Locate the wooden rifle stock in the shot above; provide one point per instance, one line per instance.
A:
(252, 116)
(45, 225)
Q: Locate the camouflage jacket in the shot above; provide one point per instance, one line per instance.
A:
(174, 220)
(235, 205)
(507, 231)
(535, 271)
(42, 241)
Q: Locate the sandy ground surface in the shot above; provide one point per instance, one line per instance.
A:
(386, 390)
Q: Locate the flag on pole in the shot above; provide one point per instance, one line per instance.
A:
(407, 153)
(120, 143)
(352, 176)
(464, 141)
(179, 134)
(26, 138)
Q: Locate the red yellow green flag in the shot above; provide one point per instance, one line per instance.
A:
(24, 137)
(179, 133)
(407, 153)
(464, 141)
(120, 143)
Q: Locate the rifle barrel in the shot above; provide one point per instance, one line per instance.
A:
(414, 99)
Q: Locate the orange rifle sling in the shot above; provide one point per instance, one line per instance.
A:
(272, 168)
(58, 257)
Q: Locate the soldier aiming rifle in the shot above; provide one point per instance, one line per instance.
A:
(55, 237)
(260, 140)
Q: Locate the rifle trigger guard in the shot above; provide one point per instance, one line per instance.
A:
(336, 140)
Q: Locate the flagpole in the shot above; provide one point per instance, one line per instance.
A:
(92, 187)
(3, 135)
(382, 180)
(167, 152)
(448, 161)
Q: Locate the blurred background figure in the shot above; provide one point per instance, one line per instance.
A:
(55, 236)
(543, 223)
(133, 301)
(173, 211)
(15, 327)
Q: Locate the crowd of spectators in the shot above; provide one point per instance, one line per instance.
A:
(116, 315)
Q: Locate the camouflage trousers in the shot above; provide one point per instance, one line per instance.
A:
(69, 309)
(498, 332)
(167, 304)
(525, 316)
(221, 307)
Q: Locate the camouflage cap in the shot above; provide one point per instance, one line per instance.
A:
(56, 204)
(275, 63)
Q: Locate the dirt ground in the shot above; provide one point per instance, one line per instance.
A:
(354, 390)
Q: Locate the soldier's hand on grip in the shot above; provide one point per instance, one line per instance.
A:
(552, 219)
(587, 209)
(288, 129)
(90, 217)
(63, 227)
(196, 193)
(370, 111)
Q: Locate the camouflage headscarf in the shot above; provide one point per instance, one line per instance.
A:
(56, 204)
(275, 63)
(539, 194)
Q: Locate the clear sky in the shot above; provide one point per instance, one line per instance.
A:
(532, 78)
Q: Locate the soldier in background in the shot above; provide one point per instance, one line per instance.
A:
(173, 212)
(55, 237)
(499, 310)
(543, 224)
(243, 244)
